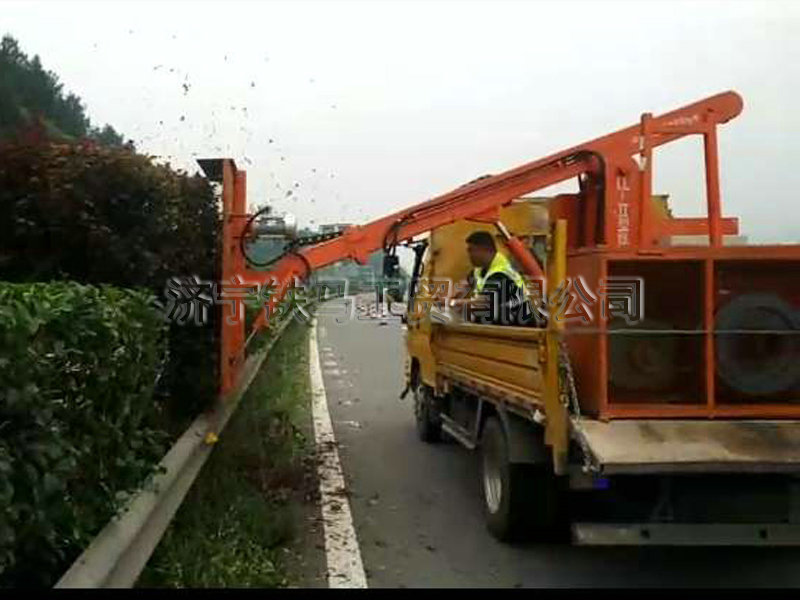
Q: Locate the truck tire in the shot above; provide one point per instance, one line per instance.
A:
(520, 501)
(429, 425)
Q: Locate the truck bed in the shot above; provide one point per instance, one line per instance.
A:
(501, 362)
(661, 446)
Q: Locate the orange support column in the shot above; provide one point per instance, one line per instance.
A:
(645, 183)
(232, 314)
(712, 186)
(708, 325)
(238, 220)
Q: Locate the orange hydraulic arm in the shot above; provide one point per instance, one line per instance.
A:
(615, 175)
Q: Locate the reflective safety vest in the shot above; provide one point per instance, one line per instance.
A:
(500, 264)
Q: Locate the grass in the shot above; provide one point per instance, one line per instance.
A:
(240, 513)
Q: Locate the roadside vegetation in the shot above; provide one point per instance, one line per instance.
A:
(78, 366)
(244, 508)
(93, 382)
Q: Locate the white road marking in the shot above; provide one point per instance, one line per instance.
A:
(345, 569)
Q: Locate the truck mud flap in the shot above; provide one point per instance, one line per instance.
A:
(685, 534)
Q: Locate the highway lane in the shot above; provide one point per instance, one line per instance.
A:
(417, 507)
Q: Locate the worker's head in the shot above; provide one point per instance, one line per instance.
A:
(481, 248)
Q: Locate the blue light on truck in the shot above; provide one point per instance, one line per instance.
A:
(601, 483)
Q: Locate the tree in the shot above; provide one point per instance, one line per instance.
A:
(33, 98)
(107, 136)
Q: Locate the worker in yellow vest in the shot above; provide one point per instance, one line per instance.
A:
(497, 293)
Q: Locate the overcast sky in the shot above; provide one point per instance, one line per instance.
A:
(360, 108)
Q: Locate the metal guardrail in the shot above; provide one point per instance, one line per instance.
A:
(119, 553)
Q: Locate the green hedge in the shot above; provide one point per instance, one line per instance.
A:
(79, 426)
(101, 215)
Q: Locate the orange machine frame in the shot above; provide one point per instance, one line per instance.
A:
(611, 217)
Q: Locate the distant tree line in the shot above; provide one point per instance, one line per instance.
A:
(33, 100)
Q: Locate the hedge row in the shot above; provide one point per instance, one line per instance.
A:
(101, 215)
(80, 428)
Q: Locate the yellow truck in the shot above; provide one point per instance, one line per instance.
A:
(483, 384)
(659, 404)
(547, 468)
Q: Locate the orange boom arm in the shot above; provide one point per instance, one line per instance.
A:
(616, 178)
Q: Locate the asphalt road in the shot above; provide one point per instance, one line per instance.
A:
(417, 507)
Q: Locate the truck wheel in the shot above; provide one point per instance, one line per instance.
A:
(520, 500)
(429, 425)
